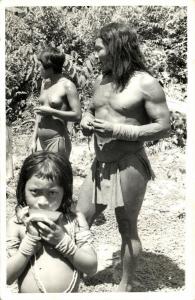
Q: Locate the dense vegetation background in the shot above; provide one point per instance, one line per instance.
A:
(162, 32)
(163, 36)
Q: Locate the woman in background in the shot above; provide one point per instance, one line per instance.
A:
(59, 103)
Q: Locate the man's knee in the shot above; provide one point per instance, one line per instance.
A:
(130, 237)
(124, 228)
(127, 223)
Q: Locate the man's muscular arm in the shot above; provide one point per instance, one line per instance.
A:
(156, 109)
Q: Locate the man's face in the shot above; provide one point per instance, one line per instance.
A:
(101, 53)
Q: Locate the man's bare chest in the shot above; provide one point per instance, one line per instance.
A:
(106, 96)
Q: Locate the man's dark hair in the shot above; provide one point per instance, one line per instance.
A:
(49, 165)
(123, 48)
(52, 58)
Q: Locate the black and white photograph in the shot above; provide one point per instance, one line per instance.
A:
(97, 174)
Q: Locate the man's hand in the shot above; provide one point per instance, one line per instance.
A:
(103, 128)
(87, 125)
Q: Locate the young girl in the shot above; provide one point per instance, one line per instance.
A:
(47, 256)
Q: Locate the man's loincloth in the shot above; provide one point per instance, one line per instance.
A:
(106, 177)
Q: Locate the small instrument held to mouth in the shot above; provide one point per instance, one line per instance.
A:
(39, 215)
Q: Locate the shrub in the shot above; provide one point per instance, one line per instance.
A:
(179, 131)
(25, 37)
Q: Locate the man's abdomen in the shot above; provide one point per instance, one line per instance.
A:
(108, 150)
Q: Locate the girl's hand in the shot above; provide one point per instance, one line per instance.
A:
(51, 232)
(32, 223)
(32, 228)
(103, 128)
(22, 214)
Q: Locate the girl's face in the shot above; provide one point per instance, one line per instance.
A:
(43, 193)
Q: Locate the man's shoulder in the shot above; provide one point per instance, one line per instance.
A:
(148, 83)
(145, 79)
(150, 87)
(98, 80)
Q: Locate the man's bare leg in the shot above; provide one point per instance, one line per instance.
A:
(130, 250)
(90, 210)
(133, 193)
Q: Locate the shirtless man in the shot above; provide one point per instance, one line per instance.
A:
(59, 103)
(128, 108)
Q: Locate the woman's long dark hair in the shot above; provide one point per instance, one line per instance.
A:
(122, 44)
(51, 166)
(51, 57)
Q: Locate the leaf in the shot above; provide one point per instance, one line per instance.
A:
(89, 66)
(81, 80)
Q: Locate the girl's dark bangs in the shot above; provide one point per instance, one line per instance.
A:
(49, 171)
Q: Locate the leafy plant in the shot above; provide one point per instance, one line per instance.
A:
(179, 130)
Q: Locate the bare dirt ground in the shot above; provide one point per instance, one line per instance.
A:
(161, 221)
